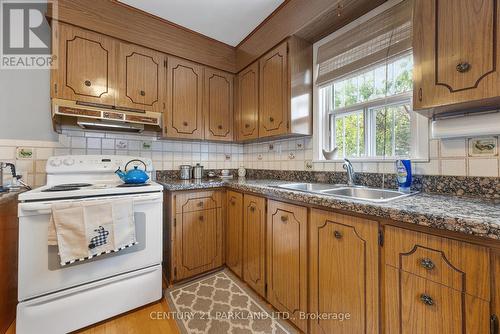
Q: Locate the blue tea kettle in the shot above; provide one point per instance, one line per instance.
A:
(133, 176)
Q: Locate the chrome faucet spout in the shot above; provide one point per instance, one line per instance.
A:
(350, 172)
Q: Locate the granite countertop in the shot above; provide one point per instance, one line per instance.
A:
(7, 196)
(466, 215)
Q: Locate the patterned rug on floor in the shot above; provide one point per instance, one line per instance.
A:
(220, 303)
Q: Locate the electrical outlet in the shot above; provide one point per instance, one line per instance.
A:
(308, 165)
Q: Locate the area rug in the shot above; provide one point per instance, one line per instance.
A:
(220, 303)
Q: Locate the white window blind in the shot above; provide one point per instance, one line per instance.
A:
(384, 36)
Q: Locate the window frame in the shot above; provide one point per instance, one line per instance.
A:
(322, 137)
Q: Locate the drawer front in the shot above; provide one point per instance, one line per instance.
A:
(200, 200)
(418, 305)
(462, 266)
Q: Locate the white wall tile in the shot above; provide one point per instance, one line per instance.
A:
(456, 167)
(483, 167)
(451, 148)
(427, 168)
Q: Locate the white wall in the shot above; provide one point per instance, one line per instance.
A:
(25, 105)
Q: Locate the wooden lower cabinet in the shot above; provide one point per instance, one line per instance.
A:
(343, 274)
(234, 232)
(287, 260)
(198, 238)
(254, 243)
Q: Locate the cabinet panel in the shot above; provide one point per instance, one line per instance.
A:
(200, 200)
(184, 118)
(87, 67)
(417, 305)
(254, 252)
(141, 78)
(247, 104)
(274, 92)
(287, 259)
(459, 265)
(455, 52)
(218, 105)
(343, 272)
(234, 232)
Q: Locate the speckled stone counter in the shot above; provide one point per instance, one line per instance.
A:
(7, 196)
(465, 215)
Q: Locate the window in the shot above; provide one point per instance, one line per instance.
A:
(369, 112)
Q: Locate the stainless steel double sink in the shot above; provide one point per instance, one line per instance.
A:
(346, 191)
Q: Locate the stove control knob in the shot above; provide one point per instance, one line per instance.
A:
(55, 163)
(68, 162)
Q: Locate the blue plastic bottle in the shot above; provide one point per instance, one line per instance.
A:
(403, 175)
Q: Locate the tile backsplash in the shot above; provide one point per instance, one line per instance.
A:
(447, 157)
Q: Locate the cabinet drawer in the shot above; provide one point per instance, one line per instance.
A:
(462, 266)
(194, 201)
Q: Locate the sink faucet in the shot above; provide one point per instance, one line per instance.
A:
(350, 172)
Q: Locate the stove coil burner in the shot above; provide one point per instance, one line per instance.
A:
(67, 187)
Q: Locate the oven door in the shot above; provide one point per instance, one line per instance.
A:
(39, 269)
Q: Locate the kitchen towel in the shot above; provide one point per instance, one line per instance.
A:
(86, 229)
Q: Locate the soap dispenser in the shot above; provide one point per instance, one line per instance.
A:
(403, 175)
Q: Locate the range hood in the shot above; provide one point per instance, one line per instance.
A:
(93, 117)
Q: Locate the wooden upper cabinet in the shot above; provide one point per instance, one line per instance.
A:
(218, 105)
(455, 52)
(247, 103)
(254, 241)
(141, 78)
(184, 117)
(274, 92)
(86, 68)
(287, 260)
(234, 232)
(344, 275)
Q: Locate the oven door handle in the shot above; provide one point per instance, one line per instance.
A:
(46, 208)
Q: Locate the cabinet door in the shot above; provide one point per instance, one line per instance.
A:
(234, 232)
(247, 104)
(184, 118)
(416, 305)
(86, 68)
(455, 62)
(218, 105)
(274, 92)
(199, 242)
(287, 259)
(254, 243)
(344, 278)
(141, 78)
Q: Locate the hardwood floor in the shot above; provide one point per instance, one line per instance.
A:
(135, 321)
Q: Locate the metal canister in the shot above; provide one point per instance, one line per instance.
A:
(185, 172)
(198, 171)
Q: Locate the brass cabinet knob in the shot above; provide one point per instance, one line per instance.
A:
(143, 93)
(463, 67)
(271, 119)
(337, 235)
(232, 202)
(247, 126)
(284, 219)
(200, 204)
(426, 299)
(427, 263)
(252, 208)
(185, 123)
(201, 218)
(219, 127)
(88, 83)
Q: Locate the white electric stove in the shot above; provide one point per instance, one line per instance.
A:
(55, 299)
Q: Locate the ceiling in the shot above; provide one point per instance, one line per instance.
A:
(228, 21)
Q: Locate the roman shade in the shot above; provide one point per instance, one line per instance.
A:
(384, 36)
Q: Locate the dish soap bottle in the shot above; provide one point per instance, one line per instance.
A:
(403, 175)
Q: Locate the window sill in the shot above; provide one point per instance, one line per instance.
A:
(369, 160)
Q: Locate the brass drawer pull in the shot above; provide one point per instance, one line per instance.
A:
(271, 119)
(427, 263)
(143, 93)
(247, 126)
(463, 67)
(88, 83)
(200, 204)
(284, 219)
(232, 202)
(252, 208)
(201, 218)
(426, 299)
(220, 127)
(337, 235)
(185, 123)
